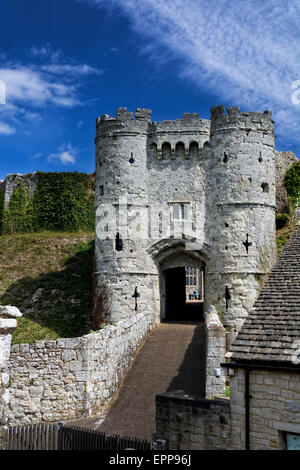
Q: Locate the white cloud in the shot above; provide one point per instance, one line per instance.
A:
(65, 154)
(61, 69)
(6, 129)
(30, 89)
(247, 53)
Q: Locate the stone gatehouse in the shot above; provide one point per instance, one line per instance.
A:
(186, 193)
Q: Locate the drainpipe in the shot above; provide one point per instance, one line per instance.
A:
(247, 409)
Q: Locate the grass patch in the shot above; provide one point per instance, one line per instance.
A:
(48, 276)
(283, 235)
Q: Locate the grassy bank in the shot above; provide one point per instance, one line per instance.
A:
(48, 276)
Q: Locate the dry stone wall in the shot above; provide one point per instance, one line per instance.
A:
(72, 378)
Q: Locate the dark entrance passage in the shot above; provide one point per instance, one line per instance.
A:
(179, 306)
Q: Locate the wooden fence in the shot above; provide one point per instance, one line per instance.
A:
(63, 437)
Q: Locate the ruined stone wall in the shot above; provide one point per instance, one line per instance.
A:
(274, 408)
(283, 162)
(10, 183)
(72, 378)
(192, 423)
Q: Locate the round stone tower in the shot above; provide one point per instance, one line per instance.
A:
(121, 195)
(239, 162)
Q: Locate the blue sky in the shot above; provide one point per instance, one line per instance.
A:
(65, 62)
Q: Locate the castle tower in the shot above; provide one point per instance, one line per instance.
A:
(122, 211)
(239, 163)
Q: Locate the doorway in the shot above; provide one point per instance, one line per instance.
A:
(183, 294)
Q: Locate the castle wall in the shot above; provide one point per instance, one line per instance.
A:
(71, 378)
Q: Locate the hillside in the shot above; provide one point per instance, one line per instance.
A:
(48, 276)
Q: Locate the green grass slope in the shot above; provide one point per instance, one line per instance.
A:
(48, 276)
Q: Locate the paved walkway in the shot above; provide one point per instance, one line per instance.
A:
(172, 358)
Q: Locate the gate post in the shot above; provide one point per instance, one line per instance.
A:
(8, 324)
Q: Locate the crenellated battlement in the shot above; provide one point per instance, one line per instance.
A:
(234, 118)
(124, 121)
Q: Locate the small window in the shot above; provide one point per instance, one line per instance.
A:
(292, 441)
(176, 212)
(179, 212)
(265, 187)
(101, 190)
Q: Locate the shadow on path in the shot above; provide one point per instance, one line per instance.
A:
(172, 358)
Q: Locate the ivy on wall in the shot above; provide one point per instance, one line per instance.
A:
(292, 183)
(61, 201)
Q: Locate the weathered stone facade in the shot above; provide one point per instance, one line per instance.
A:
(274, 408)
(72, 378)
(220, 173)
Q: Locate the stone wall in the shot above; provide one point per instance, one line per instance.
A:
(192, 423)
(72, 378)
(283, 162)
(274, 408)
(215, 354)
(10, 183)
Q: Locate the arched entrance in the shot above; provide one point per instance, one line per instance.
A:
(182, 278)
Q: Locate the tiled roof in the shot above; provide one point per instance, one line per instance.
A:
(272, 329)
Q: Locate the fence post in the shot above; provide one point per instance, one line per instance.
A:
(60, 435)
(8, 323)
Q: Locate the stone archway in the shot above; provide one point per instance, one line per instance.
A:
(178, 301)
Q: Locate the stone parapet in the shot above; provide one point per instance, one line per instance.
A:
(72, 378)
